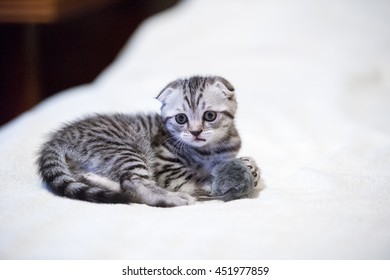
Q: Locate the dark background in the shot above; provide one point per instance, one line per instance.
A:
(40, 59)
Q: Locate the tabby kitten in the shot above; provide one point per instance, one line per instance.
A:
(159, 160)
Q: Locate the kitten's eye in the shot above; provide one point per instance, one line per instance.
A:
(209, 116)
(181, 118)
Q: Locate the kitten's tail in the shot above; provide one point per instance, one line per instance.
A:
(56, 173)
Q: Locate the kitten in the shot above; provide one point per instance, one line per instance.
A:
(159, 160)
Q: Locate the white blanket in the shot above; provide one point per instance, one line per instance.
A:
(313, 85)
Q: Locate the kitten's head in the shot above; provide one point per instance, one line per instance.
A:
(198, 110)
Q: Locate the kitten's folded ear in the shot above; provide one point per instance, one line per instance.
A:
(226, 87)
(171, 87)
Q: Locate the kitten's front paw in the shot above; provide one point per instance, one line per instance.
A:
(255, 170)
(232, 180)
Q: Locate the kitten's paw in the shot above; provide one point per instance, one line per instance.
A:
(171, 199)
(180, 199)
(232, 180)
(255, 170)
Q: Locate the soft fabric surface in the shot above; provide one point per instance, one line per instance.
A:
(313, 84)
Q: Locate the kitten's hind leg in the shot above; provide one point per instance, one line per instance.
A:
(93, 179)
(145, 191)
(138, 190)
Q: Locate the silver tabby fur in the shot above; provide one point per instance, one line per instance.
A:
(159, 160)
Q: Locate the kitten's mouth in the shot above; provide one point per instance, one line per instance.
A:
(197, 139)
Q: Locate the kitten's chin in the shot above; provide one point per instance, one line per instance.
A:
(198, 143)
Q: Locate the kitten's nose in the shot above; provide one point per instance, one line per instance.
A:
(196, 132)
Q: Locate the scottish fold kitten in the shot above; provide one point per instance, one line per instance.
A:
(159, 160)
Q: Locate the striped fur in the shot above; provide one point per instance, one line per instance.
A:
(146, 158)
